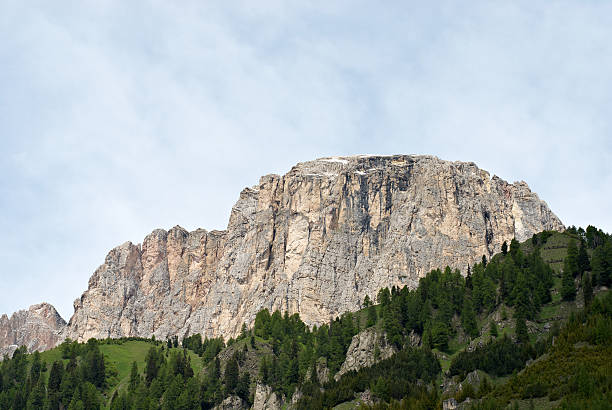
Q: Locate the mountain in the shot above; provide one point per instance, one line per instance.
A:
(314, 241)
(37, 328)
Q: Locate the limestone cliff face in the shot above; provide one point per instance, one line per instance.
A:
(37, 328)
(314, 241)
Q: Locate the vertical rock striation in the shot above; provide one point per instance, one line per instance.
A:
(314, 241)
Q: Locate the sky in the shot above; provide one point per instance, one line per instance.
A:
(119, 117)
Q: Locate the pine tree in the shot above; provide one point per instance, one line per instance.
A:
(134, 378)
(568, 289)
(605, 277)
(55, 376)
(583, 258)
(468, 278)
(468, 317)
(521, 330)
(571, 260)
(372, 317)
(242, 388)
(515, 247)
(504, 248)
(439, 335)
(230, 378)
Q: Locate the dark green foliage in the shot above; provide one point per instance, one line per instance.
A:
(577, 368)
(515, 248)
(587, 288)
(79, 385)
(393, 378)
(153, 361)
(493, 329)
(583, 258)
(568, 288)
(571, 260)
(504, 248)
(243, 385)
(499, 357)
(288, 351)
(134, 378)
(230, 377)
(521, 330)
(372, 316)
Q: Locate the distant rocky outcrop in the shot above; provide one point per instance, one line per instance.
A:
(367, 348)
(37, 328)
(314, 241)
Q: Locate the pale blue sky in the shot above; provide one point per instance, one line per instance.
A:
(120, 117)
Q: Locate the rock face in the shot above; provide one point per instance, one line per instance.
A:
(265, 399)
(362, 351)
(231, 403)
(314, 241)
(37, 328)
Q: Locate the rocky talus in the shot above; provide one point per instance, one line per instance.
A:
(313, 241)
(37, 328)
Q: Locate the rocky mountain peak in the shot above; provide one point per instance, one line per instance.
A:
(37, 328)
(314, 241)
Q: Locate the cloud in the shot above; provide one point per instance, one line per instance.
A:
(118, 117)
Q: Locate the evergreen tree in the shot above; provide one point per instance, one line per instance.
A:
(468, 317)
(230, 378)
(134, 378)
(515, 247)
(439, 335)
(264, 371)
(521, 297)
(571, 260)
(504, 248)
(583, 258)
(366, 301)
(568, 288)
(605, 275)
(189, 397)
(216, 369)
(372, 317)
(242, 388)
(384, 296)
(54, 383)
(521, 330)
(171, 396)
(36, 398)
(153, 362)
